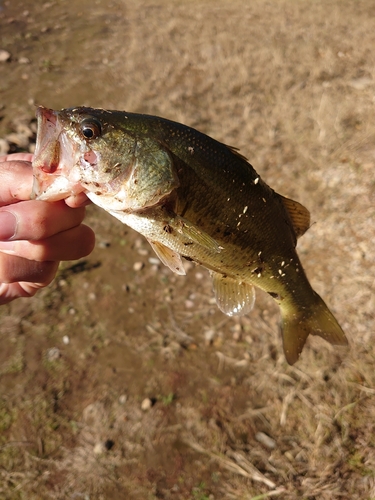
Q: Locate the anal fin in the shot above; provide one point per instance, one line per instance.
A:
(233, 297)
(169, 257)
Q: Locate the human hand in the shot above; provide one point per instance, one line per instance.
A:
(35, 235)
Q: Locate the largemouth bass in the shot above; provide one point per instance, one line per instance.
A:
(191, 197)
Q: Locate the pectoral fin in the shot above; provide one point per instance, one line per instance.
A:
(186, 228)
(169, 257)
(233, 297)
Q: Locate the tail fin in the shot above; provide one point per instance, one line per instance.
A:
(298, 324)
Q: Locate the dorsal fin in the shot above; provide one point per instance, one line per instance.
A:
(236, 151)
(299, 214)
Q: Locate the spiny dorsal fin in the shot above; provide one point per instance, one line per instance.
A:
(233, 297)
(236, 151)
(299, 214)
(169, 257)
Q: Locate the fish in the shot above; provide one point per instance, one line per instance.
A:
(192, 198)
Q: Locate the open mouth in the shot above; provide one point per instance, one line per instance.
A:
(54, 159)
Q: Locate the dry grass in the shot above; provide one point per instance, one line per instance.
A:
(292, 84)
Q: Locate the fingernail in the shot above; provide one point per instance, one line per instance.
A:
(8, 225)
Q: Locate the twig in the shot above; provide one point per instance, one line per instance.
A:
(245, 468)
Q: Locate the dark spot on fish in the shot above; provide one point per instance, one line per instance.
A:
(96, 184)
(227, 233)
(98, 193)
(167, 228)
(275, 295)
(258, 270)
(189, 243)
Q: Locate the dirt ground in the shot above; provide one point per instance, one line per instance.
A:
(122, 380)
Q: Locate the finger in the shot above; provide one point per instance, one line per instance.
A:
(12, 291)
(67, 245)
(16, 181)
(36, 220)
(14, 269)
(17, 157)
(77, 200)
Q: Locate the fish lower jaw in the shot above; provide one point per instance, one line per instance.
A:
(55, 189)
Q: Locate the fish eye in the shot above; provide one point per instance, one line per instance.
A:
(90, 128)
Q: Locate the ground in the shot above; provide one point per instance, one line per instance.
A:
(122, 380)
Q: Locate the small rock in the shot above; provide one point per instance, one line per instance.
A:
(143, 251)
(154, 261)
(4, 55)
(265, 440)
(66, 339)
(361, 83)
(53, 354)
(146, 404)
(122, 399)
(209, 336)
(23, 60)
(99, 448)
(138, 266)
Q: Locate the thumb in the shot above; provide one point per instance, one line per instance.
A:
(16, 180)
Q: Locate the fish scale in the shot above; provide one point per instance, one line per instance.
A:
(191, 197)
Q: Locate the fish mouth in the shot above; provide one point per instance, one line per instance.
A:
(54, 157)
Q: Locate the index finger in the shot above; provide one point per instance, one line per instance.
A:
(16, 181)
(17, 157)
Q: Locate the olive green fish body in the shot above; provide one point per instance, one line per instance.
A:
(191, 197)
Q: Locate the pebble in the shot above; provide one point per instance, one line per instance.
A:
(24, 60)
(154, 261)
(122, 399)
(209, 336)
(146, 404)
(99, 448)
(143, 251)
(268, 442)
(4, 55)
(66, 339)
(138, 266)
(53, 354)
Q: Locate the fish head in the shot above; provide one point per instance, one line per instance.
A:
(94, 151)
